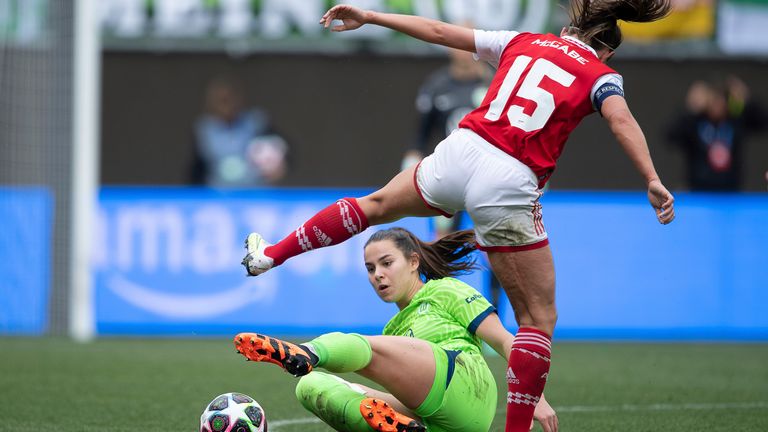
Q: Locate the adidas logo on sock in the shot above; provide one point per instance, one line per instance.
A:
(511, 378)
(322, 237)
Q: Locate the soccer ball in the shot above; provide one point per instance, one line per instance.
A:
(233, 412)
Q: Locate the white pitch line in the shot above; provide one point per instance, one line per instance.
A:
(274, 425)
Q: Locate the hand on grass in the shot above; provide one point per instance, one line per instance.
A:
(545, 415)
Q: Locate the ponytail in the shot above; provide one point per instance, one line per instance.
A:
(439, 259)
(596, 21)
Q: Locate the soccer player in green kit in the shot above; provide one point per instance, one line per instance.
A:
(429, 358)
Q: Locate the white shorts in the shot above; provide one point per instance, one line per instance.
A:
(500, 193)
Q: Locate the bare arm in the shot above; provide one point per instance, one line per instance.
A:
(630, 136)
(428, 30)
(494, 334)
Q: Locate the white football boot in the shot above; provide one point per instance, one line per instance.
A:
(255, 262)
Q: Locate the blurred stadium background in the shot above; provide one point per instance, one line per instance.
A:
(103, 237)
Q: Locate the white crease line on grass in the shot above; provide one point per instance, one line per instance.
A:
(273, 425)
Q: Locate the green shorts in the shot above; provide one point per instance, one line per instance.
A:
(463, 395)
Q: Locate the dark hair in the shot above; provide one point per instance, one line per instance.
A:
(596, 21)
(442, 258)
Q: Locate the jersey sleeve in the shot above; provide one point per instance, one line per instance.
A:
(606, 85)
(490, 44)
(465, 304)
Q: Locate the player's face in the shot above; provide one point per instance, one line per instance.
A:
(393, 276)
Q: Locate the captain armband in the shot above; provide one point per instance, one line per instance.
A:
(606, 90)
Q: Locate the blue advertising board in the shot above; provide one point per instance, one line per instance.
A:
(167, 262)
(622, 275)
(26, 221)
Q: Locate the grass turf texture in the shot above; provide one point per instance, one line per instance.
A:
(163, 385)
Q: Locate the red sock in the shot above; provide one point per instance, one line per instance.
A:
(332, 225)
(526, 376)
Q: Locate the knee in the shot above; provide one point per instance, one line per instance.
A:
(374, 206)
(544, 318)
(309, 385)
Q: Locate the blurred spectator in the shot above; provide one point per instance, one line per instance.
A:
(711, 133)
(445, 98)
(235, 146)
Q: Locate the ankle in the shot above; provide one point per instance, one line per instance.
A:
(310, 350)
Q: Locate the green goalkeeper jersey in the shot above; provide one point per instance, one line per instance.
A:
(445, 312)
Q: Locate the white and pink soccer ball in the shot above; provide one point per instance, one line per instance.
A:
(233, 412)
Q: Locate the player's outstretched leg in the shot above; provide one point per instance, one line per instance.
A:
(339, 222)
(261, 348)
(332, 225)
(382, 417)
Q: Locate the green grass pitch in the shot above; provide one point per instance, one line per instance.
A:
(163, 385)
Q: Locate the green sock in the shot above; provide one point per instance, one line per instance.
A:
(334, 400)
(342, 352)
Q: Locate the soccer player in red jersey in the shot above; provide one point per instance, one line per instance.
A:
(495, 164)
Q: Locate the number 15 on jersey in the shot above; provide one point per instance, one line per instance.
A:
(529, 89)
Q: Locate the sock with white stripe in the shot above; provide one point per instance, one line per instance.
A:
(526, 376)
(332, 225)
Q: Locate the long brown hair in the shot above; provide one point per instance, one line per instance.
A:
(442, 258)
(596, 21)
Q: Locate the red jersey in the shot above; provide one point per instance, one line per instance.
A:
(539, 94)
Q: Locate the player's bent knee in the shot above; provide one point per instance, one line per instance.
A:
(316, 386)
(309, 385)
(333, 400)
(374, 206)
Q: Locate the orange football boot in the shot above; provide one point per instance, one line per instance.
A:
(261, 348)
(382, 417)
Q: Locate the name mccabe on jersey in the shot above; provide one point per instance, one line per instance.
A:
(570, 52)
